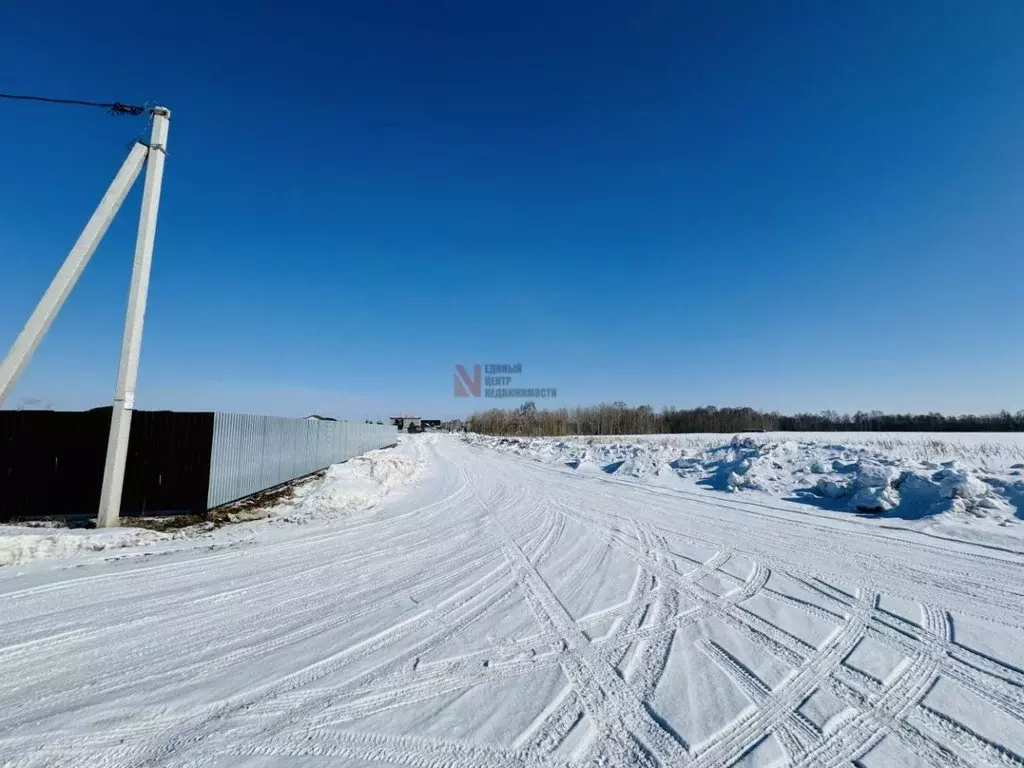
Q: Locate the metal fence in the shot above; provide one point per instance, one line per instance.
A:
(251, 453)
(51, 462)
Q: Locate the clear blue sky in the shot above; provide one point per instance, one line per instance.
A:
(791, 205)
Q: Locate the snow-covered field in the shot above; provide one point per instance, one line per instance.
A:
(929, 481)
(500, 607)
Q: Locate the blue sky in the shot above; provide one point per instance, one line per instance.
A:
(789, 205)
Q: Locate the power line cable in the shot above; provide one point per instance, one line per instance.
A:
(114, 107)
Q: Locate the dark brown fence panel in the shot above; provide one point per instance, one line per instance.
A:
(51, 462)
(168, 467)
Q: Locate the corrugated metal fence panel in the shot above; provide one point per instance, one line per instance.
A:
(309, 446)
(277, 451)
(270, 457)
(51, 462)
(253, 453)
(236, 462)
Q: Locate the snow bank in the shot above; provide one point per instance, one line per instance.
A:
(20, 544)
(356, 485)
(880, 475)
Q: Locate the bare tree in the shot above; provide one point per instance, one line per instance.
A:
(620, 419)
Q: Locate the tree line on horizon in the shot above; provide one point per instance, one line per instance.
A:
(618, 418)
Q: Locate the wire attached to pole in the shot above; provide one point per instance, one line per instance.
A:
(113, 107)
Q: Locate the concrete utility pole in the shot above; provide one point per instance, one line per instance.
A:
(124, 395)
(39, 323)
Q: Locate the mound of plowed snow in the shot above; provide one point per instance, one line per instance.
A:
(878, 476)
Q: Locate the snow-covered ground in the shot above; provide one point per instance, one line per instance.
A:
(938, 482)
(502, 611)
(20, 544)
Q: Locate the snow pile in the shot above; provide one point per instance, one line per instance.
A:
(744, 464)
(625, 458)
(356, 485)
(20, 544)
(875, 476)
(950, 489)
(879, 485)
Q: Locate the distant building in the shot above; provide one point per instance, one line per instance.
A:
(403, 422)
(318, 417)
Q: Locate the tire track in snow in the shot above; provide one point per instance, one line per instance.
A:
(280, 718)
(911, 686)
(308, 626)
(252, 579)
(794, 651)
(554, 724)
(1000, 685)
(794, 734)
(986, 578)
(182, 731)
(404, 750)
(742, 735)
(627, 733)
(649, 659)
(641, 677)
(904, 689)
(300, 704)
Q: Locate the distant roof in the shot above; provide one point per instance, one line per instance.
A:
(318, 417)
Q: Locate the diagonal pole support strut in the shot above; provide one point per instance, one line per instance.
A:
(39, 323)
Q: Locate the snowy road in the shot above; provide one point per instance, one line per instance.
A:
(505, 613)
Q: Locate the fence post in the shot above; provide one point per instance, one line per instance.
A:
(124, 395)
